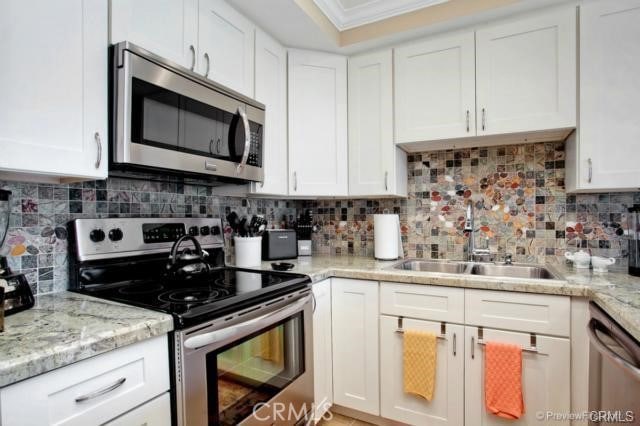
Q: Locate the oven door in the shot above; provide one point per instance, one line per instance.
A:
(166, 119)
(255, 369)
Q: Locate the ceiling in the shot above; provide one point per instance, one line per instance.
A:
(346, 14)
(304, 24)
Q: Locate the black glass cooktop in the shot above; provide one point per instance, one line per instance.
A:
(193, 301)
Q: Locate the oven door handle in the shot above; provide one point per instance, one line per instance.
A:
(602, 347)
(244, 328)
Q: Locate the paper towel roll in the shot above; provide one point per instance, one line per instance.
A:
(387, 239)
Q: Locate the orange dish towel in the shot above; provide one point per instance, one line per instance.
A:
(419, 363)
(503, 380)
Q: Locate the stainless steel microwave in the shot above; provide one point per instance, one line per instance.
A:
(167, 118)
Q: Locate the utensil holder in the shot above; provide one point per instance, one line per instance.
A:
(248, 251)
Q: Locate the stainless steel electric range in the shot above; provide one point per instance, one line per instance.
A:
(242, 345)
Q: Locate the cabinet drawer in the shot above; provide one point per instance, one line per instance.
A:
(422, 302)
(534, 313)
(154, 413)
(91, 391)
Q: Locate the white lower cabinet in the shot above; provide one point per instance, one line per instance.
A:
(355, 344)
(322, 358)
(156, 412)
(447, 406)
(93, 391)
(546, 374)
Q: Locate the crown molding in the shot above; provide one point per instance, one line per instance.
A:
(372, 11)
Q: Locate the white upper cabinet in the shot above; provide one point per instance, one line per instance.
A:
(225, 46)
(435, 88)
(317, 124)
(603, 154)
(53, 81)
(526, 73)
(376, 166)
(271, 90)
(168, 28)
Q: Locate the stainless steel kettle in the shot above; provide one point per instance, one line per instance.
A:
(188, 263)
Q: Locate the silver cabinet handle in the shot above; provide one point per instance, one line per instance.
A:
(206, 58)
(193, 57)
(467, 121)
(102, 391)
(455, 344)
(473, 347)
(386, 181)
(96, 137)
(295, 181)
(589, 178)
(208, 165)
(247, 139)
(484, 119)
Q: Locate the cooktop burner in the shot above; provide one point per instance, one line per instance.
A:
(193, 295)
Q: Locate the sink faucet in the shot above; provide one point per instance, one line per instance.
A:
(473, 253)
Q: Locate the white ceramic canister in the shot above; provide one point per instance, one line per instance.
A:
(248, 251)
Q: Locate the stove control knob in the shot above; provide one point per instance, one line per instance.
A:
(204, 231)
(97, 235)
(193, 231)
(215, 230)
(115, 234)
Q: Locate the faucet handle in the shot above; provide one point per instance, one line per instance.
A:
(508, 259)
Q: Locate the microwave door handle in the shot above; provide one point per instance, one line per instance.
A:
(607, 351)
(244, 328)
(247, 139)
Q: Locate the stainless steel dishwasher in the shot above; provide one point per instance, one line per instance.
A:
(614, 372)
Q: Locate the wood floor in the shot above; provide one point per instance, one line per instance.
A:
(340, 420)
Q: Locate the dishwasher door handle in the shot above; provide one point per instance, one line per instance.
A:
(595, 325)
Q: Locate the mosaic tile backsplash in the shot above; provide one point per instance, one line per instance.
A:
(521, 208)
(36, 242)
(520, 203)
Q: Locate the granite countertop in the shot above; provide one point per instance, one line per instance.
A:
(617, 293)
(66, 327)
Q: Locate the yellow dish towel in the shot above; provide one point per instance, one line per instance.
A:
(419, 363)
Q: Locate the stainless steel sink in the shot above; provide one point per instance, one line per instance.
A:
(513, 271)
(481, 269)
(433, 266)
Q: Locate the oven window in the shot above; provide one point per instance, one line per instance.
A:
(254, 370)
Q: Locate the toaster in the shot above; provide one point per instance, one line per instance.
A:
(279, 244)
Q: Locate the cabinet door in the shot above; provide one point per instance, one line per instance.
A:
(322, 358)
(435, 89)
(546, 377)
(168, 28)
(355, 344)
(225, 46)
(526, 73)
(271, 90)
(317, 124)
(447, 405)
(156, 412)
(609, 93)
(372, 152)
(53, 80)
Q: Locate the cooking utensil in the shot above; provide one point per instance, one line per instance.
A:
(243, 230)
(233, 220)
